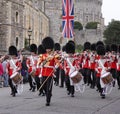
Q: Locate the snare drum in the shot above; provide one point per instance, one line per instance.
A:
(76, 77)
(16, 77)
(32, 73)
(107, 78)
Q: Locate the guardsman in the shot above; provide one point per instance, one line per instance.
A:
(49, 62)
(13, 67)
(32, 64)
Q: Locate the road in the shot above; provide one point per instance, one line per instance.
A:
(88, 102)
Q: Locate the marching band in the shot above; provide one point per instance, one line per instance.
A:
(97, 66)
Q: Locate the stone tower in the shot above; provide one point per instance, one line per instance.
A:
(11, 23)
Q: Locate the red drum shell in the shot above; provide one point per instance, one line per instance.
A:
(16, 77)
(107, 78)
(76, 77)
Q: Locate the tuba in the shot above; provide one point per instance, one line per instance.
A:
(76, 77)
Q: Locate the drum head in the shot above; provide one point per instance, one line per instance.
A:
(106, 74)
(73, 74)
(13, 75)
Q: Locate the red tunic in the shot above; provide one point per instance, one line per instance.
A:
(48, 63)
(13, 66)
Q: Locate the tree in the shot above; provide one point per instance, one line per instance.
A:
(112, 33)
(91, 25)
(78, 25)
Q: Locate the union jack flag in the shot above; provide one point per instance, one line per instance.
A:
(67, 18)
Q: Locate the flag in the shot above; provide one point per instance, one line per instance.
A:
(67, 18)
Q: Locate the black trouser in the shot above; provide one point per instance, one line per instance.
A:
(62, 74)
(57, 73)
(47, 87)
(86, 75)
(39, 83)
(114, 75)
(98, 84)
(70, 88)
(93, 78)
(30, 81)
(118, 78)
(13, 87)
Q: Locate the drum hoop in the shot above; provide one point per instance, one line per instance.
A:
(75, 73)
(13, 75)
(105, 74)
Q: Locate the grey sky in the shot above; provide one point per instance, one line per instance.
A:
(111, 10)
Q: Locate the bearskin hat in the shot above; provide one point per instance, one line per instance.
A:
(13, 50)
(107, 48)
(93, 47)
(87, 46)
(114, 47)
(99, 43)
(57, 47)
(71, 41)
(41, 49)
(100, 50)
(33, 48)
(119, 48)
(70, 48)
(48, 43)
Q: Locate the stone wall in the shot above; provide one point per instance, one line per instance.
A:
(91, 35)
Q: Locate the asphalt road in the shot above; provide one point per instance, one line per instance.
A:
(88, 102)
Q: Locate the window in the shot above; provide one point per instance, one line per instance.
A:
(16, 18)
(16, 41)
(87, 19)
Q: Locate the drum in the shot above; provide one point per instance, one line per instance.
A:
(32, 73)
(16, 77)
(76, 77)
(107, 78)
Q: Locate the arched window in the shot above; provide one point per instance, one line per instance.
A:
(16, 18)
(16, 41)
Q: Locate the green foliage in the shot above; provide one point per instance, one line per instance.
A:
(78, 25)
(91, 25)
(79, 48)
(112, 33)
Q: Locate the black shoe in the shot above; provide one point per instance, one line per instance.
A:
(72, 95)
(33, 90)
(61, 86)
(119, 88)
(102, 96)
(47, 104)
(39, 94)
(30, 89)
(113, 83)
(43, 94)
(68, 93)
(13, 94)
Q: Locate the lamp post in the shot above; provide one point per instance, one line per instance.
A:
(29, 34)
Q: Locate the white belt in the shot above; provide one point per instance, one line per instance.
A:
(48, 67)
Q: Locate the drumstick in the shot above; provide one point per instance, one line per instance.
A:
(45, 81)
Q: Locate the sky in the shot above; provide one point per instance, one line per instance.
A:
(111, 10)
